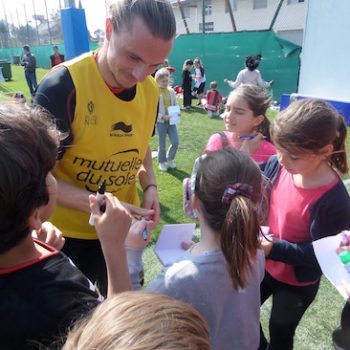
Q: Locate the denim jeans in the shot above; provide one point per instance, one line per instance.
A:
(31, 81)
(163, 129)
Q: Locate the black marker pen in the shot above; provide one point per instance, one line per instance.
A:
(99, 196)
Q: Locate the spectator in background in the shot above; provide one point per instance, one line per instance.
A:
(166, 126)
(56, 58)
(187, 84)
(199, 78)
(214, 99)
(29, 63)
(170, 69)
(19, 98)
(249, 75)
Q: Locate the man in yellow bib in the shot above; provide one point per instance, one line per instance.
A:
(106, 102)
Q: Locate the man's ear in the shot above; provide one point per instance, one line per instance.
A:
(109, 28)
(34, 220)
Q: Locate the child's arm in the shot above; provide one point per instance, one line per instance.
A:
(112, 227)
(237, 82)
(328, 217)
(136, 241)
(262, 82)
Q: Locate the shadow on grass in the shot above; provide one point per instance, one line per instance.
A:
(167, 215)
(177, 173)
(5, 90)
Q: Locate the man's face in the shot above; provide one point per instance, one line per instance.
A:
(134, 53)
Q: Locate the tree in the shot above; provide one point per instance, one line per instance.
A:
(4, 34)
(55, 22)
(26, 34)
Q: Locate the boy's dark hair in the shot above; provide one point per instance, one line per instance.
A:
(28, 149)
(187, 62)
(26, 47)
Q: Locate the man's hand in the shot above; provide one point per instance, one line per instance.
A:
(151, 201)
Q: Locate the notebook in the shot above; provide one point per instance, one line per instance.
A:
(168, 247)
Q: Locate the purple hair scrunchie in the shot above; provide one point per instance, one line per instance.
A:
(237, 189)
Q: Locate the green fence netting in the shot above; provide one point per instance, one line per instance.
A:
(42, 53)
(222, 54)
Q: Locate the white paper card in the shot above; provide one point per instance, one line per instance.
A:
(174, 115)
(331, 266)
(168, 247)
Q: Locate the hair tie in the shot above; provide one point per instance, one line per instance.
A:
(237, 189)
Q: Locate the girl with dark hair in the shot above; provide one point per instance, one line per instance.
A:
(220, 276)
(308, 201)
(250, 75)
(247, 127)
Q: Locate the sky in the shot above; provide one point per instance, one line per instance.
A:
(94, 11)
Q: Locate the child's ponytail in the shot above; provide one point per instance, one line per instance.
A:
(338, 158)
(228, 185)
(239, 235)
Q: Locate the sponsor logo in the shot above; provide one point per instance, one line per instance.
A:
(120, 129)
(117, 172)
(90, 117)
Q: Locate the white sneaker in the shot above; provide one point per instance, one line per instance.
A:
(162, 167)
(172, 164)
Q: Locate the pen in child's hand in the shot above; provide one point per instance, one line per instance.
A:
(250, 137)
(145, 234)
(99, 196)
(247, 137)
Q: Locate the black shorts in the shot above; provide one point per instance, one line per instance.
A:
(200, 88)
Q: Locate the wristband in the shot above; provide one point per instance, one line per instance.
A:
(148, 186)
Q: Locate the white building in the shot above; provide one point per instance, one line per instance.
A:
(247, 15)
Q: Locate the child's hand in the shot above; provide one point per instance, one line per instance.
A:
(139, 234)
(113, 225)
(50, 235)
(271, 82)
(344, 243)
(225, 80)
(185, 245)
(165, 117)
(266, 245)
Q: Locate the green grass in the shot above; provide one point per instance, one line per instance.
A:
(314, 331)
(18, 83)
